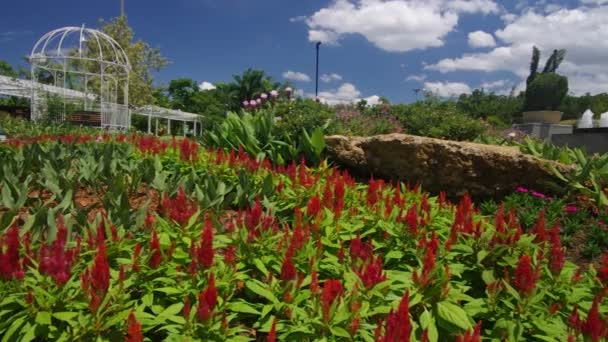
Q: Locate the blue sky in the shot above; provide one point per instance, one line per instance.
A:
(376, 47)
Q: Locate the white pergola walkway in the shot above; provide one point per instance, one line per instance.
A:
(168, 114)
(10, 86)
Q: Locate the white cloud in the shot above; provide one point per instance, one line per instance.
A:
(297, 19)
(594, 2)
(480, 39)
(373, 100)
(296, 76)
(206, 86)
(447, 89)
(346, 93)
(393, 25)
(416, 78)
(327, 78)
(583, 31)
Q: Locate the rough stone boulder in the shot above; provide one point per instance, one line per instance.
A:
(441, 165)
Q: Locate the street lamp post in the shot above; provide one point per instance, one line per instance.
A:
(317, 74)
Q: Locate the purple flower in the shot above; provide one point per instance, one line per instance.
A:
(521, 189)
(245, 104)
(571, 209)
(253, 104)
(538, 194)
(274, 94)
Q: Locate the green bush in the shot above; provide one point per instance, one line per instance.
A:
(546, 92)
(439, 120)
(301, 114)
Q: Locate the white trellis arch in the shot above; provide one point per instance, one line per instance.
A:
(79, 60)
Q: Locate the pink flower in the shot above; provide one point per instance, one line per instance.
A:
(570, 209)
(253, 103)
(538, 194)
(264, 96)
(522, 189)
(259, 101)
(245, 103)
(288, 91)
(274, 94)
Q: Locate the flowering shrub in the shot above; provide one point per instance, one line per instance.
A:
(235, 248)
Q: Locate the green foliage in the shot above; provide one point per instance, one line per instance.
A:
(367, 122)
(144, 60)
(439, 120)
(573, 107)
(302, 114)
(499, 109)
(546, 92)
(251, 84)
(260, 135)
(7, 69)
(453, 277)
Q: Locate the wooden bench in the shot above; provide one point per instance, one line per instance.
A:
(89, 119)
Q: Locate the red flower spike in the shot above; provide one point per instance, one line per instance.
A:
(10, 265)
(372, 273)
(398, 324)
(313, 206)
(595, 327)
(332, 290)
(525, 276)
(557, 259)
(272, 334)
(187, 308)
(211, 292)
(156, 257)
(134, 333)
(136, 254)
(471, 335)
(602, 272)
(205, 251)
(203, 312)
(288, 270)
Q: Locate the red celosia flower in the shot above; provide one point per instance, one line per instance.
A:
(354, 325)
(525, 276)
(188, 151)
(56, 260)
(339, 192)
(96, 280)
(539, 227)
(373, 189)
(595, 327)
(179, 209)
(134, 333)
(398, 324)
(211, 292)
(272, 334)
(471, 335)
(332, 289)
(149, 221)
(136, 254)
(156, 257)
(230, 255)
(361, 250)
(411, 219)
(207, 300)
(205, 251)
(558, 258)
(10, 265)
(187, 308)
(372, 273)
(288, 270)
(314, 206)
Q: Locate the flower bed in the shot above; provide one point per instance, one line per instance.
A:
(238, 249)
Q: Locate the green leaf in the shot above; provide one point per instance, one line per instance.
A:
(43, 317)
(168, 290)
(13, 328)
(453, 314)
(427, 322)
(242, 307)
(65, 316)
(256, 287)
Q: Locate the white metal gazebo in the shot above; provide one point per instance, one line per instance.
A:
(88, 72)
(156, 112)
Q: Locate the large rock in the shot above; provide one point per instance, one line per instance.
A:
(441, 165)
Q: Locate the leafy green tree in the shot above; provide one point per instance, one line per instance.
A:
(7, 69)
(247, 86)
(484, 105)
(144, 60)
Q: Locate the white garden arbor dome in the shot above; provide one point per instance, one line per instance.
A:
(80, 72)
